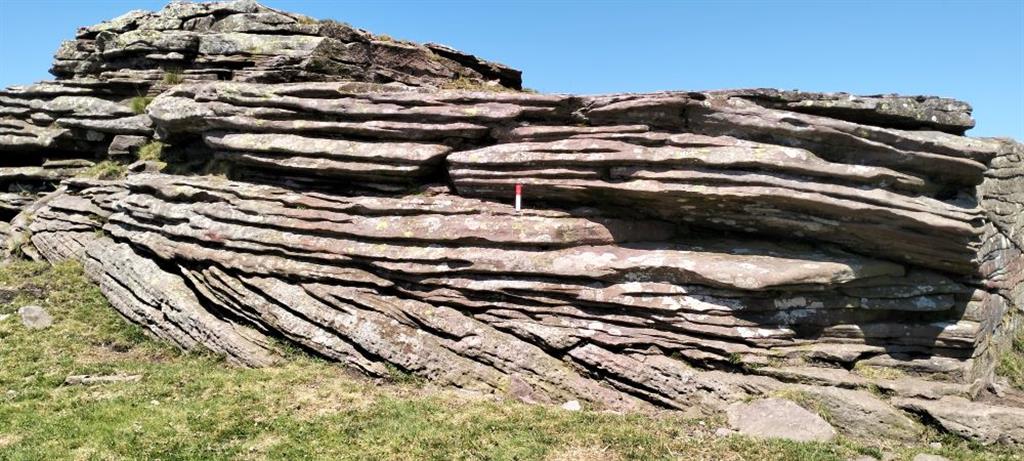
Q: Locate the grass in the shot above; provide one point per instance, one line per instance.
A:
(1011, 363)
(388, 38)
(107, 169)
(399, 376)
(468, 84)
(807, 401)
(139, 104)
(194, 406)
(152, 150)
(173, 76)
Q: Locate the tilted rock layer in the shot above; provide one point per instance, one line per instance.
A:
(685, 250)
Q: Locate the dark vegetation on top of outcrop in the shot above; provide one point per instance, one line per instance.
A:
(309, 181)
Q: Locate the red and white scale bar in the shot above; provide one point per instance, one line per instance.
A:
(519, 196)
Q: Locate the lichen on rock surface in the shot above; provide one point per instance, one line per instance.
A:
(319, 184)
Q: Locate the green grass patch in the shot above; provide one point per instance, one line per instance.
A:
(173, 76)
(399, 376)
(1011, 363)
(152, 150)
(139, 104)
(194, 406)
(107, 169)
(806, 400)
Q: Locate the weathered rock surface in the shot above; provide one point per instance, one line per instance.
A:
(35, 317)
(24, 185)
(779, 419)
(109, 73)
(987, 424)
(683, 250)
(907, 112)
(859, 413)
(243, 40)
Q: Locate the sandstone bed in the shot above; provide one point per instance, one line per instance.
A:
(333, 189)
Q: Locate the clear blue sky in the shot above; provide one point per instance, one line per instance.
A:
(969, 50)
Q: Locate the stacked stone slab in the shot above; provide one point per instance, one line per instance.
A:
(245, 41)
(106, 75)
(685, 250)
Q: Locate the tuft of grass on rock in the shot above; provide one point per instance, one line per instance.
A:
(218, 167)
(468, 84)
(390, 39)
(107, 169)
(193, 406)
(139, 103)
(152, 150)
(399, 376)
(173, 76)
(806, 400)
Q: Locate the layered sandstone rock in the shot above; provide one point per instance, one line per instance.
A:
(245, 41)
(107, 75)
(685, 250)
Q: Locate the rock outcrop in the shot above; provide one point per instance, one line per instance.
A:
(244, 41)
(685, 250)
(110, 72)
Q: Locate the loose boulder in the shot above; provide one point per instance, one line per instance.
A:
(985, 423)
(779, 419)
(35, 317)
